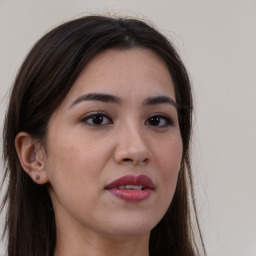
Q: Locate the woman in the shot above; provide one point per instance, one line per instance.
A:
(96, 145)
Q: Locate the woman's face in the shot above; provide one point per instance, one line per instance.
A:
(114, 146)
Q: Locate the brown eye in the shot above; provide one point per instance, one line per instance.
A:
(159, 121)
(96, 119)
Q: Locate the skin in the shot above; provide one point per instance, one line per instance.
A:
(81, 157)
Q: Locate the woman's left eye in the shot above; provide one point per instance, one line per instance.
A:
(159, 121)
(96, 119)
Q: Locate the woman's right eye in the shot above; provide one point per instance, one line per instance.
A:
(96, 119)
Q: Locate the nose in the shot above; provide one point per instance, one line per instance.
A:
(132, 148)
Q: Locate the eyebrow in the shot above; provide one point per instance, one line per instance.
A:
(98, 97)
(160, 100)
(108, 98)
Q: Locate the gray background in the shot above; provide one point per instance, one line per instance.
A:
(216, 40)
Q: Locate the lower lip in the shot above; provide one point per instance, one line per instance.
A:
(131, 195)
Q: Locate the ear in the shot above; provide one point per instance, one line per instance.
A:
(32, 157)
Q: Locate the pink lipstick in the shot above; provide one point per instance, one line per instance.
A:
(131, 188)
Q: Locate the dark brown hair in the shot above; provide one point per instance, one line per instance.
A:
(43, 81)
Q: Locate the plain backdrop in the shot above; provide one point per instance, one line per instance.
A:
(217, 41)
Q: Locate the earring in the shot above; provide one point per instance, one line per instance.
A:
(37, 177)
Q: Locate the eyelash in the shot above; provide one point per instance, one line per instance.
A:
(104, 119)
(91, 117)
(159, 118)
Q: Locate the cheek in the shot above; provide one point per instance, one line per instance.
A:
(73, 170)
(169, 159)
(169, 155)
(74, 158)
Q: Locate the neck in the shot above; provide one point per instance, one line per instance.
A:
(101, 246)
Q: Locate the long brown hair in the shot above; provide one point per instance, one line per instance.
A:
(43, 81)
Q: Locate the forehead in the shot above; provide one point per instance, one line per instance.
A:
(119, 71)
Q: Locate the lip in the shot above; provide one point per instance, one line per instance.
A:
(131, 195)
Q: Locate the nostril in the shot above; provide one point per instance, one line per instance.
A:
(145, 160)
(127, 159)
(135, 161)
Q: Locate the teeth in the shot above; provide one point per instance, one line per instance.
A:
(140, 187)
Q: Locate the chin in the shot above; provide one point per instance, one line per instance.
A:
(131, 227)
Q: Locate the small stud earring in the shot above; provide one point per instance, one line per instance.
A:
(37, 177)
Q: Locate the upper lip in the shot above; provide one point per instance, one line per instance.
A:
(140, 180)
